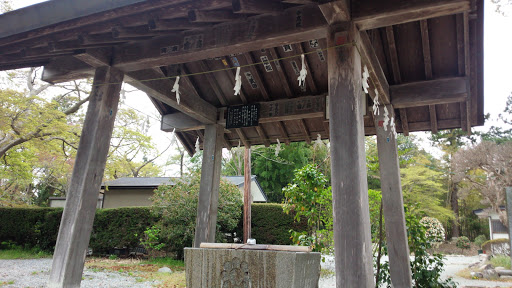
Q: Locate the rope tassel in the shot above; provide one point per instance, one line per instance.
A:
(376, 103)
(197, 145)
(176, 88)
(278, 148)
(238, 82)
(303, 72)
(366, 75)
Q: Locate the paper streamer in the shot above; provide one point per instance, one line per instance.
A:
(278, 147)
(238, 82)
(376, 103)
(197, 145)
(366, 75)
(303, 72)
(176, 88)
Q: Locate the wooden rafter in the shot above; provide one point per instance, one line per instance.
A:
(376, 73)
(462, 22)
(281, 73)
(335, 11)
(305, 130)
(257, 76)
(405, 122)
(282, 131)
(257, 7)
(263, 135)
(427, 60)
(242, 137)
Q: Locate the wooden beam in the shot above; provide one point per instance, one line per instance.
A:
(201, 16)
(393, 55)
(132, 32)
(190, 104)
(352, 239)
(439, 91)
(305, 130)
(282, 131)
(242, 137)
(371, 14)
(335, 11)
(425, 40)
(263, 135)
(376, 73)
(256, 75)
(247, 194)
(462, 22)
(392, 202)
(405, 122)
(213, 83)
(65, 69)
(185, 143)
(281, 73)
(174, 24)
(81, 201)
(257, 6)
(433, 118)
(95, 57)
(231, 78)
(206, 221)
(255, 33)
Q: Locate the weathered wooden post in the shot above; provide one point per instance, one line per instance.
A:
(247, 194)
(209, 188)
(352, 239)
(78, 216)
(392, 201)
(509, 217)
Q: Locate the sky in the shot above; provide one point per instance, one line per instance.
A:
(497, 75)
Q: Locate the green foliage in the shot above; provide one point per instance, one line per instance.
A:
(479, 240)
(271, 225)
(273, 172)
(309, 197)
(118, 227)
(151, 239)
(374, 200)
(177, 208)
(463, 243)
(426, 269)
(501, 261)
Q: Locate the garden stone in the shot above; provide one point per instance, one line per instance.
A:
(499, 268)
(476, 275)
(490, 274)
(486, 267)
(505, 272)
(484, 257)
(165, 270)
(474, 264)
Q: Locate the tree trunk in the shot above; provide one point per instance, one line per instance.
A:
(454, 203)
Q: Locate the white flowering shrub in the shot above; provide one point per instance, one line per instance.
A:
(435, 231)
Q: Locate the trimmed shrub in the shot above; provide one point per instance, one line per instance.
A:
(499, 246)
(479, 240)
(434, 229)
(463, 243)
(270, 225)
(120, 228)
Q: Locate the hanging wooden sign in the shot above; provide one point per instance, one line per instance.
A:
(243, 116)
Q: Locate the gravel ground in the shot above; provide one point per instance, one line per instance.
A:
(35, 273)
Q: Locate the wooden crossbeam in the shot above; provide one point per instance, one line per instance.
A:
(66, 69)
(405, 122)
(305, 130)
(201, 16)
(174, 24)
(439, 91)
(242, 137)
(281, 73)
(283, 132)
(257, 6)
(369, 57)
(371, 14)
(263, 135)
(256, 32)
(190, 104)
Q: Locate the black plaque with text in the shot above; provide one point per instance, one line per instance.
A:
(243, 116)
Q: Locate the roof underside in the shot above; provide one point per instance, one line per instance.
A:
(426, 58)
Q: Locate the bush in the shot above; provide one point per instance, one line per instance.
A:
(499, 246)
(463, 243)
(434, 229)
(479, 240)
(177, 208)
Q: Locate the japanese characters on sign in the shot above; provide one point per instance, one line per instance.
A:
(243, 116)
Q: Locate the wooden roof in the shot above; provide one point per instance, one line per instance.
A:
(425, 57)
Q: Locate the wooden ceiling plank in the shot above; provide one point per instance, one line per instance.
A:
(305, 130)
(405, 122)
(263, 135)
(439, 91)
(257, 6)
(201, 16)
(281, 73)
(282, 131)
(213, 83)
(257, 75)
(369, 57)
(433, 118)
(253, 33)
(190, 104)
(371, 14)
(393, 55)
(335, 11)
(119, 32)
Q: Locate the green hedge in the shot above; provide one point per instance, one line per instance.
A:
(122, 227)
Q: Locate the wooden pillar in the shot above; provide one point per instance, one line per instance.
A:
(509, 217)
(78, 216)
(247, 193)
(206, 220)
(393, 204)
(352, 239)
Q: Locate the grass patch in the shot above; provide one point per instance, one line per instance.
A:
(501, 261)
(20, 253)
(166, 261)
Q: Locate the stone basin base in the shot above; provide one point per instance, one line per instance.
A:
(230, 268)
